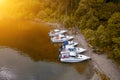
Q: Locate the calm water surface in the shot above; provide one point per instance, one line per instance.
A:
(26, 53)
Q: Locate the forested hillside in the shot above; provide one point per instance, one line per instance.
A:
(98, 20)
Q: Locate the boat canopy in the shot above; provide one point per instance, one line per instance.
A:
(65, 43)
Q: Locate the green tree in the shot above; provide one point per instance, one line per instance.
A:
(101, 36)
(114, 35)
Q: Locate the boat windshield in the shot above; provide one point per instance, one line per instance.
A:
(65, 56)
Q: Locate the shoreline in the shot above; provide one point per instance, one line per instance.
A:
(104, 68)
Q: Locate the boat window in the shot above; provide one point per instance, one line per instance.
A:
(71, 49)
(65, 56)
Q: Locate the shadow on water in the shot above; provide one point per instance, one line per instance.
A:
(28, 37)
(31, 39)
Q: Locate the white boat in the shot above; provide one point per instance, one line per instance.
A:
(61, 38)
(73, 57)
(70, 42)
(73, 48)
(56, 32)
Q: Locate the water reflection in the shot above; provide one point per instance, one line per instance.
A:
(14, 66)
(29, 37)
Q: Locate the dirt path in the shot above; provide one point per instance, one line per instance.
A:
(100, 62)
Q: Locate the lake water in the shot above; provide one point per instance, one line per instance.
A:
(26, 53)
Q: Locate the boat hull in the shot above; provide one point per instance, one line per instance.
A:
(73, 48)
(79, 58)
(55, 40)
(57, 32)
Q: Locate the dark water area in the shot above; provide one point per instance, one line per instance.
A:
(29, 37)
(26, 53)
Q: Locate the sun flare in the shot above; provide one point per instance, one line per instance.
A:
(2, 1)
(20, 8)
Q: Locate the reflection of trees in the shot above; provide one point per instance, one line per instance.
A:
(31, 38)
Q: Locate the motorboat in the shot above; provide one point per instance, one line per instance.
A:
(72, 48)
(73, 43)
(57, 32)
(73, 57)
(70, 42)
(61, 38)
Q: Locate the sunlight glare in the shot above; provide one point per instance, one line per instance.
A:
(1, 1)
